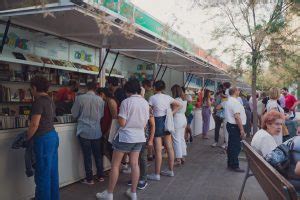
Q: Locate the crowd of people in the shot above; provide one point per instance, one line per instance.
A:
(275, 111)
(137, 122)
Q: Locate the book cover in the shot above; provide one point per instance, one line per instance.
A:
(19, 56)
(47, 61)
(33, 58)
(14, 95)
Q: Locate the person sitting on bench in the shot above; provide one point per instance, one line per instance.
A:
(263, 141)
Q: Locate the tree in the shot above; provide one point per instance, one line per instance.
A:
(256, 25)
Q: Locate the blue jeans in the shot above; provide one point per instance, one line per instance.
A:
(46, 166)
(88, 147)
(234, 145)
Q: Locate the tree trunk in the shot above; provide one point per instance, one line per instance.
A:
(254, 64)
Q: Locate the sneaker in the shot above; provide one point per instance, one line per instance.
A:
(153, 177)
(131, 195)
(129, 183)
(142, 185)
(127, 171)
(105, 195)
(124, 166)
(214, 144)
(224, 146)
(85, 181)
(100, 179)
(167, 173)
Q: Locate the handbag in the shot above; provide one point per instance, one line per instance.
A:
(169, 123)
(113, 130)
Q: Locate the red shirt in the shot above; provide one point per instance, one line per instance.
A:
(106, 120)
(65, 94)
(290, 100)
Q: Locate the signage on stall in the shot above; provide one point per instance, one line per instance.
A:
(82, 54)
(28, 42)
(17, 40)
(14, 41)
(52, 48)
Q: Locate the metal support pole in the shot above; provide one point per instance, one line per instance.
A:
(163, 73)
(157, 73)
(190, 80)
(112, 67)
(5, 35)
(187, 79)
(102, 65)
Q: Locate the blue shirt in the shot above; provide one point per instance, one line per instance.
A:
(88, 109)
(219, 112)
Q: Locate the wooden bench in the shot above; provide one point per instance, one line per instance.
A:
(272, 182)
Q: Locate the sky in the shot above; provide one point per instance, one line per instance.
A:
(194, 23)
(189, 21)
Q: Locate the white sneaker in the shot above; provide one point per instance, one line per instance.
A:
(214, 144)
(224, 146)
(105, 195)
(127, 171)
(124, 167)
(131, 195)
(153, 177)
(167, 173)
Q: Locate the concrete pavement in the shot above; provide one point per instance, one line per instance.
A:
(203, 177)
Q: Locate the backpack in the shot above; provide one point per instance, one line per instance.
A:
(294, 146)
(279, 158)
(284, 159)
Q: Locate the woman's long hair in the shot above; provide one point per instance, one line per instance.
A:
(206, 96)
(177, 92)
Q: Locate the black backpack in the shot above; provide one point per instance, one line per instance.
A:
(284, 159)
(279, 158)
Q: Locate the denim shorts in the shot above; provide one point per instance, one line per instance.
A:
(189, 118)
(160, 127)
(126, 147)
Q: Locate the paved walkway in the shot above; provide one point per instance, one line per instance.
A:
(203, 177)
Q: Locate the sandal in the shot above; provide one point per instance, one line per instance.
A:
(177, 163)
(182, 161)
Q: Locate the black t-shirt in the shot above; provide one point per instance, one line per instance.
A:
(45, 107)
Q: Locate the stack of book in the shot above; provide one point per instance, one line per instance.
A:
(4, 72)
(4, 94)
(7, 122)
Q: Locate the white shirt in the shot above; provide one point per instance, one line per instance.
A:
(240, 100)
(260, 106)
(263, 142)
(251, 104)
(135, 110)
(227, 92)
(179, 117)
(282, 101)
(233, 106)
(160, 103)
(273, 105)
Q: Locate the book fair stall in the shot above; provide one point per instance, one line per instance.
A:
(67, 46)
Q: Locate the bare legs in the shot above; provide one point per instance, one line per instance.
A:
(115, 167)
(158, 153)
